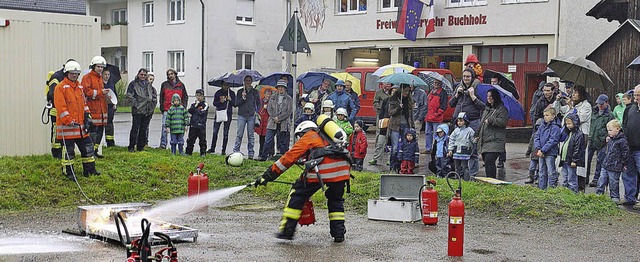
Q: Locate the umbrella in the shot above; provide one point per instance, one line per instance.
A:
(505, 82)
(237, 76)
(580, 71)
(402, 78)
(115, 73)
(429, 77)
(312, 80)
(516, 112)
(549, 73)
(272, 80)
(355, 82)
(635, 64)
(393, 68)
(217, 81)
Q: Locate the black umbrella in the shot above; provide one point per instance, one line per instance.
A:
(549, 72)
(506, 83)
(115, 74)
(635, 64)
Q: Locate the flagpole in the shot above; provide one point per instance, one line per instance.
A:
(294, 66)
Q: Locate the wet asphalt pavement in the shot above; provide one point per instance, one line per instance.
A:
(238, 229)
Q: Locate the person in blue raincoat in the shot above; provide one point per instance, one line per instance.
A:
(341, 99)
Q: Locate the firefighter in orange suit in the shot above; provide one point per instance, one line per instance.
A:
(333, 168)
(71, 125)
(93, 88)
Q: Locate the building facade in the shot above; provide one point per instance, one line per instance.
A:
(513, 36)
(162, 34)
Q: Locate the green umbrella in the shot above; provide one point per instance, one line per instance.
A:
(403, 78)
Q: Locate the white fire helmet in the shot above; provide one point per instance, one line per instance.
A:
(327, 103)
(72, 67)
(235, 159)
(341, 111)
(305, 126)
(98, 60)
(309, 106)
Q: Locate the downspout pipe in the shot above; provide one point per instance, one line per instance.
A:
(202, 51)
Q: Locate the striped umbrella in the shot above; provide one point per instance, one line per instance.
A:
(392, 69)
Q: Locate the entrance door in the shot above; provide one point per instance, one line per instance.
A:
(533, 80)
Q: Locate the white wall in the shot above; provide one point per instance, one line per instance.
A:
(581, 34)
(36, 43)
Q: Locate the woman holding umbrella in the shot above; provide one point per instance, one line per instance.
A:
(400, 115)
(492, 132)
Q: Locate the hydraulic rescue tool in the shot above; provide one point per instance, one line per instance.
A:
(456, 219)
(429, 203)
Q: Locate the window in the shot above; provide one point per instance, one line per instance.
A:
(522, 1)
(119, 17)
(532, 55)
(389, 5)
(507, 55)
(121, 62)
(176, 61)
(147, 61)
(351, 6)
(371, 82)
(495, 55)
(519, 58)
(244, 12)
(244, 60)
(543, 55)
(456, 3)
(147, 13)
(513, 54)
(176, 11)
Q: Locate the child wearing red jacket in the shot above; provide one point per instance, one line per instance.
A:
(358, 145)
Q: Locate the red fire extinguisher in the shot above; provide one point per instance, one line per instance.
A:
(198, 183)
(456, 219)
(308, 216)
(429, 203)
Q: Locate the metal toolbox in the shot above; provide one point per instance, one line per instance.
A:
(401, 187)
(401, 211)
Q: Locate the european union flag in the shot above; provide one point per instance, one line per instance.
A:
(412, 19)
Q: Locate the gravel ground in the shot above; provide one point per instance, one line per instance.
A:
(236, 229)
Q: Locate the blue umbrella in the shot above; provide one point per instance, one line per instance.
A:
(516, 112)
(272, 80)
(402, 78)
(217, 81)
(237, 76)
(312, 80)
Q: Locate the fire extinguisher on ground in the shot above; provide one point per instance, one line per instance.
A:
(308, 215)
(198, 183)
(429, 203)
(456, 219)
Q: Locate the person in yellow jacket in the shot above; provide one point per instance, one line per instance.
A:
(93, 88)
(324, 167)
(71, 125)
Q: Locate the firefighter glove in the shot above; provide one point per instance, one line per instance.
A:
(260, 182)
(269, 175)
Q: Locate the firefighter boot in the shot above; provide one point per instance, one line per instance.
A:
(531, 177)
(337, 230)
(287, 229)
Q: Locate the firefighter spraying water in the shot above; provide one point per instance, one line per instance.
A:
(326, 162)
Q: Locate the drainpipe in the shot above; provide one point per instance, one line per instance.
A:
(557, 38)
(202, 52)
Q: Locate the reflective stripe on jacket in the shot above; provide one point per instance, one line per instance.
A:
(92, 87)
(70, 104)
(331, 169)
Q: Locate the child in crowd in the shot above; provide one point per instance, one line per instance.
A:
(461, 145)
(533, 163)
(618, 111)
(308, 113)
(263, 115)
(473, 63)
(572, 151)
(199, 111)
(545, 146)
(615, 161)
(327, 108)
(358, 145)
(177, 123)
(408, 152)
(343, 121)
(439, 150)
